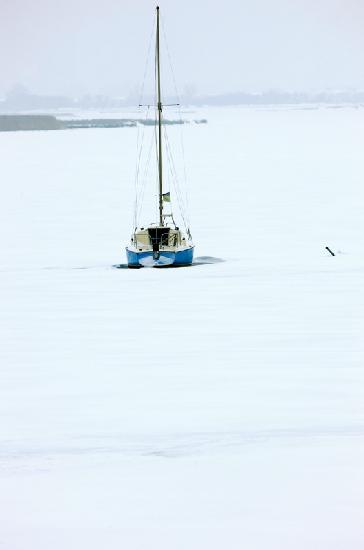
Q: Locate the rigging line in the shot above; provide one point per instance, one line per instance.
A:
(140, 192)
(170, 60)
(137, 168)
(141, 95)
(183, 196)
(184, 165)
(139, 157)
(173, 165)
(179, 112)
(183, 158)
(144, 180)
(140, 144)
(177, 195)
(171, 209)
(142, 141)
(174, 178)
(136, 179)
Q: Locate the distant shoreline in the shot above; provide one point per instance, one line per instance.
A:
(23, 100)
(14, 123)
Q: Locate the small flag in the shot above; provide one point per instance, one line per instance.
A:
(166, 197)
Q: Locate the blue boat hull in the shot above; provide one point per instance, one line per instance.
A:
(165, 259)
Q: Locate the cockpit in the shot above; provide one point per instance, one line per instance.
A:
(156, 238)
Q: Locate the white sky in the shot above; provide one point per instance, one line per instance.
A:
(99, 46)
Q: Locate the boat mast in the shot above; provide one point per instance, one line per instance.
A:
(159, 108)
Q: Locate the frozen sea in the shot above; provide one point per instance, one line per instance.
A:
(219, 406)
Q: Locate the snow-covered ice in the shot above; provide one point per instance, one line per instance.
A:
(210, 407)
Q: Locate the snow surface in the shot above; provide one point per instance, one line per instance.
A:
(211, 407)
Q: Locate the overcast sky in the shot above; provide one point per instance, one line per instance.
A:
(100, 46)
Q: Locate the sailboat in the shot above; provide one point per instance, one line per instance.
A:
(161, 243)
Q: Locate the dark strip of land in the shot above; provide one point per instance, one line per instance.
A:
(13, 123)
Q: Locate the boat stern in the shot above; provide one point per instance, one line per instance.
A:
(159, 246)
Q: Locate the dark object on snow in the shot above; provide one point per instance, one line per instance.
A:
(13, 123)
(99, 123)
(331, 252)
